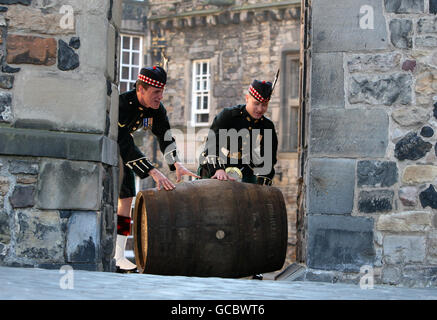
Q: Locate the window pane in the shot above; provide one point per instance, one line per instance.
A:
(205, 84)
(198, 85)
(205, 68)
(205, 103)
(289, 110)
(197, 68)
(126, 42)
(125, 73)
(199, 103)
(202, 118)
(131, 85)
(293, 128)
(136, 59)
(294, 79)
(136, 43)
(123, 87)
(134, 73)
(125, 59)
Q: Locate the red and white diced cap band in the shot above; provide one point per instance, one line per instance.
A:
(150, 81)
(256, 95)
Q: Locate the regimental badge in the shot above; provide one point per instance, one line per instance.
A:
(147, 123)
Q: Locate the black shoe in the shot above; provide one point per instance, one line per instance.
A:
(119, 270)
(257, 277)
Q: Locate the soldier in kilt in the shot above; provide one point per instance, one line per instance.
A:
(142, 108)
(242, 142)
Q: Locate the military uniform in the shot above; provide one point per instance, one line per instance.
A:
(244, 146)
(132, 117)
(222, 156)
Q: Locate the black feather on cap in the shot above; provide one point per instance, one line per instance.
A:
(153, 76)
(261, 90)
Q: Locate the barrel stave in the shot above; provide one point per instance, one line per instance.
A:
(212, 228)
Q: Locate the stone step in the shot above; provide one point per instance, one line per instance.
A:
(292, 272)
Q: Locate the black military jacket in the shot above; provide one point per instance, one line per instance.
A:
(238, 118)
(133, 116)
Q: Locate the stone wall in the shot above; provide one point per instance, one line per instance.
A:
(244, 40)
(134, 17)
(58, 129)
(370, 173)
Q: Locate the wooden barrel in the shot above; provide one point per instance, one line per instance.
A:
(210, 228)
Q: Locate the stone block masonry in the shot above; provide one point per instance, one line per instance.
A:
(328, 80)
(51, 213)
(376, 173)
(340, 243)
(373, 102)
(31, 50)
(83, 238)
(377, 90)
(340, 132)
(331, 186)
(67, 58)
(58, 149)
(349, 33)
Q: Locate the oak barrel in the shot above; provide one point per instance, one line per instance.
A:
(210, 228)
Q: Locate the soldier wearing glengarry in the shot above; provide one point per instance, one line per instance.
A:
(142, 108)
(242, 142)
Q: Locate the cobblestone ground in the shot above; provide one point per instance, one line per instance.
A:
(35, 284)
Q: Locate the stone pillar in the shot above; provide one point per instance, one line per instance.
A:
(58, 132)
(371, 164)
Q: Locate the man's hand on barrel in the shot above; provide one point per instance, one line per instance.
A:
(222, 175)
(161, 180)
(182, 171)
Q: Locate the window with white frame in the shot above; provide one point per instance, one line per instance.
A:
(288, 139)
(201, 92)
(131, 61)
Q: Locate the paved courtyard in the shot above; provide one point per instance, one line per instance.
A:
(35, 284)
